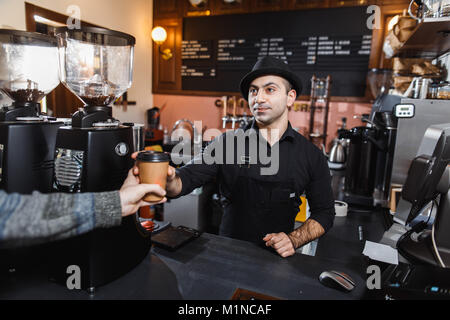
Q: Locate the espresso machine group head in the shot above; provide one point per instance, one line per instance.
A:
(94, 153)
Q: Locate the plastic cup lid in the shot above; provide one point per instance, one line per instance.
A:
(153, 156)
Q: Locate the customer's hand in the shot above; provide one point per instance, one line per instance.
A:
(132, 193)
(281, 243)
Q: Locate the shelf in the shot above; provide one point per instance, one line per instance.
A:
(430, 39)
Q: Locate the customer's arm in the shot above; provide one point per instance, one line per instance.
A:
(38, 218)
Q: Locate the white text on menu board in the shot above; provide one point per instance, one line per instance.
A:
(323, 46)
(272, 47)
(224, 54)
(194, 49)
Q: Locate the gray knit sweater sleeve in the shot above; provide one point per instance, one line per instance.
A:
(38, 218)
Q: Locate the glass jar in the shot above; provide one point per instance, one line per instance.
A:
(436, 8)
(433, 90)
(443, 91)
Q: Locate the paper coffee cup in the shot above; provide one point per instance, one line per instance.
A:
(153, 168)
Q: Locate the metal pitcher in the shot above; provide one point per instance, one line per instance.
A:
(337, 152)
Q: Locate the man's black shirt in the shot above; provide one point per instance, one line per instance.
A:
(299, 160)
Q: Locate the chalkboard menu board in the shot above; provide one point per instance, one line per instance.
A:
(217, 51)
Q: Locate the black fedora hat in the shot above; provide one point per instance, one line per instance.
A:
(270, 66)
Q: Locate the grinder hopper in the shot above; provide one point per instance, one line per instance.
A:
(28, 71)
(97, 66)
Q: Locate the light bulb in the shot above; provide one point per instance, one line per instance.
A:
(159, 34)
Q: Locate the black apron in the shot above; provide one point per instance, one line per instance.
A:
(259, 206)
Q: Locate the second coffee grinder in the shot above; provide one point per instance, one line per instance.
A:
(28, 72)
(94, 153)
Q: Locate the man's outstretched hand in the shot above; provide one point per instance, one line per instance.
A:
(173, 185)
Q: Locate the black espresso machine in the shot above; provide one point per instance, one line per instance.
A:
(94, 153)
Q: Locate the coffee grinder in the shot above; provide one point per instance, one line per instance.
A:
(28, 72)
(94, 153)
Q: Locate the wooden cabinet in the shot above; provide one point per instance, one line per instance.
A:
(394, 2)
(226, 7)
(197, 7)
(350, 3)
(309, 4)
(163, 9)
(268, 5)
(167, 73)
(166, 9)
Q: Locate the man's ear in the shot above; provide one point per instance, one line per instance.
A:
(292, 95)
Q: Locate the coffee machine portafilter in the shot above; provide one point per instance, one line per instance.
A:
(94, 153)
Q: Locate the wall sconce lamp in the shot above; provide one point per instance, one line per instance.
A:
(159, 35)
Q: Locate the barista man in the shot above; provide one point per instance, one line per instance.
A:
(262, 208)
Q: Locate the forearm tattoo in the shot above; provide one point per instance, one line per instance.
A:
(309, 231)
